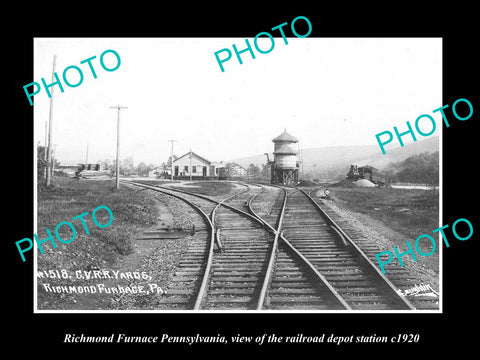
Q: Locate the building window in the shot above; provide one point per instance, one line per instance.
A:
(185, 168)
(194, 169)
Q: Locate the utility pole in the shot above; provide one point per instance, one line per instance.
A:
(86, 157)
(300, 158)
(117, 170)
(171, 160)
(45, 152)
(50, 129)
(190, 164)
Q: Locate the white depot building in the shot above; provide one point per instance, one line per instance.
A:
(191, 164)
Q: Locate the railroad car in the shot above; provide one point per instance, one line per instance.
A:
(367, 172)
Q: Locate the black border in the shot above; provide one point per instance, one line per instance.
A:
(455, 26)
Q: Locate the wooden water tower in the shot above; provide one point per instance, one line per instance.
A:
(284, 167)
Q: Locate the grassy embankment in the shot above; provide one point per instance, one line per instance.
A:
(409, 212)
(103, 247)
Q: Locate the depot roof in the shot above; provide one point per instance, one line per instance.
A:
(193, 155)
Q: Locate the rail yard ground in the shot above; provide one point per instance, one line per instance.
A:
(115, 247)
(411, 212)
(378, 212)
(395, 215)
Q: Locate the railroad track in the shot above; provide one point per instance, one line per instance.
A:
(239, 265)
(242, 272)
(231, 266)
(188, 280)
(236, 268)
(346, 270)
(291, 280)
(242, 258)
(396, 274)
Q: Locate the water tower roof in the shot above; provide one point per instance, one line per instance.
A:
(286, 137)
(285, 150)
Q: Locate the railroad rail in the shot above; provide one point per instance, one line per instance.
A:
(236, 258)
(291, 280)
(297, 258)
(397, 275)
(189, 279)
(241, 277)
(342, 263)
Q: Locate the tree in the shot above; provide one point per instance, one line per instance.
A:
(128, 163)
(143, 169)
(169, 162)
(229, 169)
(253, 170)
(107, 164)
(41, 162)
(126, 166)
(421, 169)
(266, 170)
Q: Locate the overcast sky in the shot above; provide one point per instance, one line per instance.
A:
(325, 91)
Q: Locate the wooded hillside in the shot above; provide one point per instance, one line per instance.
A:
(421, 168)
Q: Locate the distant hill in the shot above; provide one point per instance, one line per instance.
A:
(420, 168)
(333, 162)
(429, 145)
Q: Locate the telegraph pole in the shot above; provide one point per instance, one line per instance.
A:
(300, 158)
(50, 130)
(86, 156)
(117, 170)
(45, 151)
(190, 164)
(171, 160)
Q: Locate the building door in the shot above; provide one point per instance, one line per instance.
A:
(176, 170)
(204, 172)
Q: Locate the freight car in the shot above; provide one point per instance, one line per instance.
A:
(367, 172)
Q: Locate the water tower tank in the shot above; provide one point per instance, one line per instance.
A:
(285, 157)
(284, 169)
